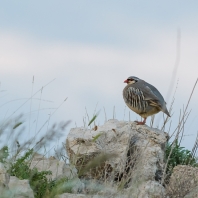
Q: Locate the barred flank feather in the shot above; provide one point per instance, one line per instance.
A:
(135, 98)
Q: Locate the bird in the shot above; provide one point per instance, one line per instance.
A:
(143, 98)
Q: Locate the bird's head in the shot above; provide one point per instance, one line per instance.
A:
(131, 80)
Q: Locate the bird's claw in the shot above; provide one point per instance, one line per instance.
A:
(140, 123)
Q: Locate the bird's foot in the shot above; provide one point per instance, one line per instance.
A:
(140, 123)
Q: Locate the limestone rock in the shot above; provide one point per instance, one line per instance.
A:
(193, 193)
(59, 170)
(134, 154)
(68, 195)
(184, 179)
(77, 185)
(48, 164)
(149, 189)
(4, 177)
(20, 188)
(69, 171)
(97, 188)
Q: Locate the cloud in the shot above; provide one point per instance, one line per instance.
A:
(90, 74)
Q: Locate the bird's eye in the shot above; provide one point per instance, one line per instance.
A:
(130, 79)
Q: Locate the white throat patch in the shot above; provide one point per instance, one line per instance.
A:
(131, 82)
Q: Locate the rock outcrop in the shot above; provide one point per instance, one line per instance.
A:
(4, 177)
(59, 170)
(68, 195)
(193, 193)
(4, 180)
(48, 164)
(183, 182)
(12, 187)
(120, 152)
(119, 159)
(20, 188)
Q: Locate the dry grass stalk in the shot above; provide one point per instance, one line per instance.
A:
(177, 134)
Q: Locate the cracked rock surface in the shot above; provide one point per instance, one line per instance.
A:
(134, 155)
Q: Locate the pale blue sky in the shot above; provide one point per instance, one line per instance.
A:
(117, 23)
(90, 48)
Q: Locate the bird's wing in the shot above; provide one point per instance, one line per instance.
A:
(148, 94)
(153, 96)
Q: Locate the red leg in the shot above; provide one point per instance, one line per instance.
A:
(141, 123)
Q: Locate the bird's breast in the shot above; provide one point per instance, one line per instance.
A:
(134, 98)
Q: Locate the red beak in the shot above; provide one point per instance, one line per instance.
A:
(126, 81)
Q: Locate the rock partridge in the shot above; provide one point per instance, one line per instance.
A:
(143, 98)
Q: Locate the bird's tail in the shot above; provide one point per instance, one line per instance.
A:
(164, 109)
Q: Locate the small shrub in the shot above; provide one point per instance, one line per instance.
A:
(59, 186)
(38, 180)
(179, 156)
(40, 184)
(4, 154)
(20, 168)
